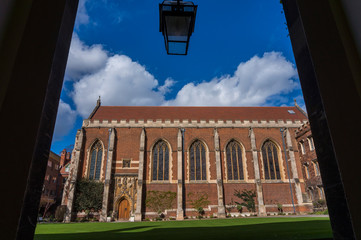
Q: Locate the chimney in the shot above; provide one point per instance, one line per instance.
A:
(63, 156)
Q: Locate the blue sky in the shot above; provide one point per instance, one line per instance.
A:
(239, 55)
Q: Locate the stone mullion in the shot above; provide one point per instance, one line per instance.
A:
(221, 208)
(108, 172)
(294, 167)
(261, 206)
(180, 211)
(138, 211)
(158, 153)
(71, 182)
(163, 150)
(274, 163)
(237, 157)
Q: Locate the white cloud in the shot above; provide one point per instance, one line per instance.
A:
(166, 87)
(83, 59)
(64, 121)
(251, 84)
(82, 17)
(121, 82)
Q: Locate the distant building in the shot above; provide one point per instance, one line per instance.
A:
(310, 168)
(52, 187)
(217, 150)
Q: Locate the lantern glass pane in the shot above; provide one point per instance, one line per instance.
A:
(177, 47)
(177, 27)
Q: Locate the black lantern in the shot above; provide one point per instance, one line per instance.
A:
(176, 20)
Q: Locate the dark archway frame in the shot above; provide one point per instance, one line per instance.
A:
(35, 37)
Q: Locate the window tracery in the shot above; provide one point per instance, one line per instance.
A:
(197, 158)
(234, 161)
(160, 171)
(96, 155)
(270, 161)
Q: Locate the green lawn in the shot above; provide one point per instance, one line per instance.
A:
(238, 228)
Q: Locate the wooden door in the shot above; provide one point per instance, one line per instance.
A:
(124, 209)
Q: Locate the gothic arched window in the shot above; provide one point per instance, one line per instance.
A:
(96, 155)
(197, 164)
(270, 161)
(160, 161)
(234, 161)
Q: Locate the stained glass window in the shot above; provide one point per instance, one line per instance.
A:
(197, 158)
(270, 160)
(234, 161)
(160, 171)
(96, 155)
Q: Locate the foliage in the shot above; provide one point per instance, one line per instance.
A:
(60, 212)
(319, 204)
(325, 212)
(229, 206)
(247, 197)
(198, 200)
(159, 201)
(89, 195)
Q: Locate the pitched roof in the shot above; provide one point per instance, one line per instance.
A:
(197, 113)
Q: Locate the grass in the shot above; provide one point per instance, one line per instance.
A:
(239, 228)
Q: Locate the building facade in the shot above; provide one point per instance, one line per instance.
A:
(186, 150)
(310, 168)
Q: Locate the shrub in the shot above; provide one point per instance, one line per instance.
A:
(198, 201)
(89, 195)
(60, 212)
(319, 203)
(239, 208)
(247, 197)
(159, 201)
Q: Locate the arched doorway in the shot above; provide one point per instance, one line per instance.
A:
(124, 209)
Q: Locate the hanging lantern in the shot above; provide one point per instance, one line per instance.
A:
(176, 21)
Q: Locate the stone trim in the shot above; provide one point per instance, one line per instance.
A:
(193, 123)
(260, 201)
(108, 171)
(220, 192)
(293, 166)
(138, 211)
(69, 187)
(180, 212)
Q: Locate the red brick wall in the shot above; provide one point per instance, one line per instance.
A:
(127, 146)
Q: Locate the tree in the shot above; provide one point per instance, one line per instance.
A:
(247, 197)
(198, 200)
(159, 201)
(89, 195)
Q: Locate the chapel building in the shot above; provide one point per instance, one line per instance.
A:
(216, 150)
